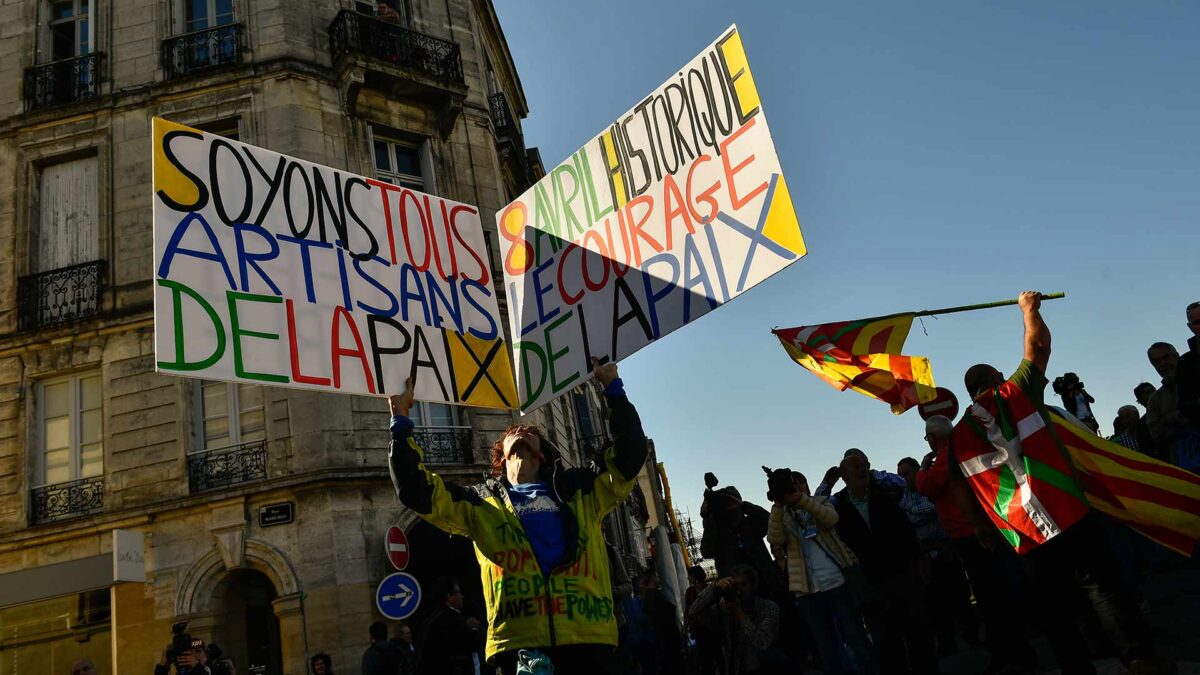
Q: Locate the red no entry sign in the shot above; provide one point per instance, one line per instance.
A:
(396, 545)
(944, 404)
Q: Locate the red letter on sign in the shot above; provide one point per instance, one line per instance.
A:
(338, 352)
(730, 171)
(297, 376)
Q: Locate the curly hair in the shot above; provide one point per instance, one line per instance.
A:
(498, 446)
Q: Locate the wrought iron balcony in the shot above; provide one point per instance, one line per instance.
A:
(502, 117)
(213, 469)
(202, 51)
(593, 447)
(354, 33)
(509, 139)
(50, 503)
(62, 82)
(445, 445)
(59, 297)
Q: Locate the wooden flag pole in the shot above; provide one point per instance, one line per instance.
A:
(986, 305)
(962, 308)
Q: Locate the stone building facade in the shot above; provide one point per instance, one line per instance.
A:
(92, 439)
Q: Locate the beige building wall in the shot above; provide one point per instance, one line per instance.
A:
(324, 453)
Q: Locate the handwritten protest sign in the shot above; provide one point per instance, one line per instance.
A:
(676, 208)
(270, 269)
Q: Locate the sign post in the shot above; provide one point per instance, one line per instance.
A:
(945, 403)
(396, 545)
(129, 555)
(276, 514)
(398, 596)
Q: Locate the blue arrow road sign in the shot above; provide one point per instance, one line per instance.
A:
(398, 596)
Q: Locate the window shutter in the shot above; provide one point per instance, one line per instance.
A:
(68, 232)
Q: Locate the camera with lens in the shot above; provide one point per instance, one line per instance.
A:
(1063, 386)
(181, 642)
(779, 483)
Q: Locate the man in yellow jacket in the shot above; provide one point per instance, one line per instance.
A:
(536, 529)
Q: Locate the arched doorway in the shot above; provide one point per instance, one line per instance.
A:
(244, 622)
(435, 554)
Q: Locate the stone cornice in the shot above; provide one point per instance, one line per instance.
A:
(202, 503)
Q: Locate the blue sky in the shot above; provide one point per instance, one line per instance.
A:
(938, 153)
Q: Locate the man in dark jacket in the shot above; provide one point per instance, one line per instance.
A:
(450, 637)
(379, 659)
(1170, 425)
(734, 531)
(872, 524)
(1187, 373)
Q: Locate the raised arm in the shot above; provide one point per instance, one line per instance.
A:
(630, 447)
(776, 530)
(756, 521)
(1037, 334)
(935, 472)
(449, 506)
(824, 515)
(613, 476)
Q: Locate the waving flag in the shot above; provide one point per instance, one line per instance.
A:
(1036, 473)
(863, 356)
(1159, 500)
(1010, 455)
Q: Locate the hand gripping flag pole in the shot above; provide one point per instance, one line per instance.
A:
(864, 355)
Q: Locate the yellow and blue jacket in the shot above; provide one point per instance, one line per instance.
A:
(528, 607)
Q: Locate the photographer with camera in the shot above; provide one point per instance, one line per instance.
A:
(816, 561)
(1076, 400)
(185, 652)
(733, 535)
(746, 622)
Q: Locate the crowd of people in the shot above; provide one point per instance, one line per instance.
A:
(193, 657)
(872, 571)
(896, 569)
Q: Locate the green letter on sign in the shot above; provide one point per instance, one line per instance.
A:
(180, 363)
(237, 333)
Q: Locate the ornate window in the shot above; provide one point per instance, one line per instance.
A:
(68, 30)
(227, 414)
(399, 164)
(70, 428)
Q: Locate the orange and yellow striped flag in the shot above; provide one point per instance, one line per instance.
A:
(1159, 500)
(864, 356)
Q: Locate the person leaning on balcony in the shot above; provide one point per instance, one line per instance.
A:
(385, 12)
(536, 527)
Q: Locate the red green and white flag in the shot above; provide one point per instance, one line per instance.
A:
(1016, 467)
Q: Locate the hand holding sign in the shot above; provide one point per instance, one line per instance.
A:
(402, 403)
(606, 373)
(674, 209)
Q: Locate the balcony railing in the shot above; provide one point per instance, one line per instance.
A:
(61, 82)
(354, 33)
(59, 297)
(502, 117)
(592, 447)
(213, 469)
(442, 445)
(203, 50)
(66, 500)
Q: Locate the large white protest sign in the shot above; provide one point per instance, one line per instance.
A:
(676, 208)
(274, 270)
